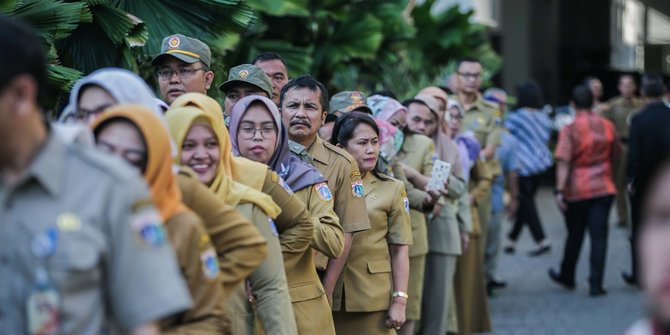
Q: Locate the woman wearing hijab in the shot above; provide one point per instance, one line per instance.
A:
(136, 135)
(240, 246)
(257, 133)
(372, 296)
(206, 147)
(469, 287)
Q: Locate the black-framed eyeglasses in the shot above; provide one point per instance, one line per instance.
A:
(474, 76)
(83, 114)
(183, 73)
(250, 132)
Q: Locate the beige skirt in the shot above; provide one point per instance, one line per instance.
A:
(363, 323)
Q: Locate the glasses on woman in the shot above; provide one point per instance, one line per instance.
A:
(248, 132)
(84, 115)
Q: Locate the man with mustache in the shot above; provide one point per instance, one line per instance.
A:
(183, 66)
(303, 102)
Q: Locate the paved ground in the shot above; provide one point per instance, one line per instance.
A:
(532, 304)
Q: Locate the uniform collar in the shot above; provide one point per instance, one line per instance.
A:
(369, 181)
(318, 151)
(47, 166)
(477, 104)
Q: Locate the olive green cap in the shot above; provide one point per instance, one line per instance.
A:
(186, 49)
(248, 74)
(348, 101)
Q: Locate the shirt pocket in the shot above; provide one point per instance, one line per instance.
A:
(305, 291)
(379, 266)
(77, 262)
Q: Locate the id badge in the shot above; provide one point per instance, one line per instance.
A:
(43, 311)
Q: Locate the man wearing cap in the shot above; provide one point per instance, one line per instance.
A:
(183, 66)
(342, 103)
(244, 80)
(276, 69)
(303, 100)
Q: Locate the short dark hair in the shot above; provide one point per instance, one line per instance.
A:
(446, 90)
(628, 75)
(582, 97)
(23, 54)
(529, 95)
(306, 81)
(652, 85)
(466, 60)
(344, 129)
(408, 102)
(267, 56)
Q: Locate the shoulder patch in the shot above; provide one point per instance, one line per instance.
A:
(357, 189)
(148, 227)
(355, 174)
(210, 265)
(405, 203)
(324, 191)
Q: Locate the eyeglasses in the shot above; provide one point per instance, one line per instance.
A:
(83, 115)
(183, 73)
(250, 132)
(473, 76)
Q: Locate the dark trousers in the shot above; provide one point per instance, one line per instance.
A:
(527, 213)
(580, 215)
(634, 232)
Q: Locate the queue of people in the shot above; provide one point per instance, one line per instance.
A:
(287, 211)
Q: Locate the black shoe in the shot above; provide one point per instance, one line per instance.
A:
(558, 279)
(630, 279)
(597, 292)
(496, 284)
(510, 250)
(540, 251)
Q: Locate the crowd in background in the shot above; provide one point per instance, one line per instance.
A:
(291, 211)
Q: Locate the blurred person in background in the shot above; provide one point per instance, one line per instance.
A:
(587, 153)
(532, 130)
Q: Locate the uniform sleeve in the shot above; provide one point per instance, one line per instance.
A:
(349, 207)
(200, 267)
(456, 187)
(239, 245)
(270, 287)
(141, 265)
(415, 195)
(564, 146)
(464, 214)
(493, 137)
(399, 225)
(328, 234)
(294, 224)
(427, 160)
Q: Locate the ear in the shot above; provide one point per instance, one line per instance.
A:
(323, 118)
(209, 78)
(23, 88)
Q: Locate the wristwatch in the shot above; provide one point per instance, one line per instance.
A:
(401, 294)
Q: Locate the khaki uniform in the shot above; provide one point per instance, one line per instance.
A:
(366, 285)
(271, 312)
(469, 287)
(342, 173)
(239, 245)
(444, 247)
(198, 262)
(105, 270)
(620, 113)
(310, 305)
(418, 152)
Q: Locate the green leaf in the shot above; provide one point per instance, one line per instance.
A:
(114, 22)
(281, 8)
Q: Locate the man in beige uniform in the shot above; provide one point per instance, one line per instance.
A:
(620, 111)
(303, 101)
(91, 257)
(481, 117)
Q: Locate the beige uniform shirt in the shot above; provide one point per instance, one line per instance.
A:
(110, 264)
(418, 152)
(344, 181)
(482, 118)
(620, 113)
(367, 278)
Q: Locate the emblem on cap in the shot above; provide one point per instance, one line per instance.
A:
(174, 42)
(356, 98)
(243, 74)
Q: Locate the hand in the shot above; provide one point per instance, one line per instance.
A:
(465, 241)
(431, 197)
(396, 314)
(445, 190)
(409, 171)
(560, 201)
(512, 207)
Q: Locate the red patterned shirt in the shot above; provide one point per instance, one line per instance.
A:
(590, 145)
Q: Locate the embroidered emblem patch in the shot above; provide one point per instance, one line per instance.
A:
(355, 174)
(68, 222)
(323, 191)
(243, 74)
(210, 265)
(405, 203)
(174, 42)
(357, 189)
(148, 227)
